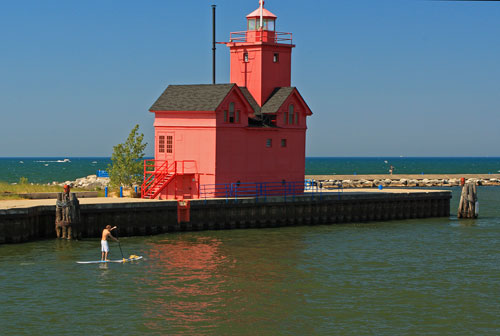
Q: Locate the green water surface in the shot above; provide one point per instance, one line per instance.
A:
(411, 277)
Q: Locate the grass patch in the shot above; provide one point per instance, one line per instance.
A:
(10, 191)
(27, 188)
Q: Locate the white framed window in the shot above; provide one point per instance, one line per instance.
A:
(161, 144)
(170, 144)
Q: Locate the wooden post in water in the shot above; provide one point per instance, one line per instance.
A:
(67, 216)
(468, 207)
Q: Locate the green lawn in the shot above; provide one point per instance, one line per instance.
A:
(13, 191)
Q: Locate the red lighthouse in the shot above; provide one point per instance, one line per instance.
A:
(250, 131)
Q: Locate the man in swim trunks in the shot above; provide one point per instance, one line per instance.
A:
(104, 241)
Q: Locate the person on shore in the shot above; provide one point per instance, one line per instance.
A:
(391, 169)
(66, 190)
(104, 241)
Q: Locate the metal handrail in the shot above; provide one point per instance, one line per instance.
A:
(255, 189)
(154, 178)
(158, 178)
(242, 36)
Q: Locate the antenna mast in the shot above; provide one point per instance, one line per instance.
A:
(213, 44)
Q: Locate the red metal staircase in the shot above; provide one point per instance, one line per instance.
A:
(157, 178)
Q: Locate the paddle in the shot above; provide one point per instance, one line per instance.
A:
(119, 245)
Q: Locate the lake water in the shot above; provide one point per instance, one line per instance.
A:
(49, 169)
(411, 277)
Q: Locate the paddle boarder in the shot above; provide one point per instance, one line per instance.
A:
(104, 241)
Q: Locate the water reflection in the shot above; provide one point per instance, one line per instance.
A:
(183, 278)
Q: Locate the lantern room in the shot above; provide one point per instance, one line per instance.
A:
(261, 26)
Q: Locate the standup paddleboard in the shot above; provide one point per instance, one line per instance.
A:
(132, 258)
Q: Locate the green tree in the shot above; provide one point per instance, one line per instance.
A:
(126, 168)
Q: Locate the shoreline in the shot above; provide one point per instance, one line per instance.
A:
(404, 180)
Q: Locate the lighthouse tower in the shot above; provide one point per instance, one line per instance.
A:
(261, 56)
(250, 132)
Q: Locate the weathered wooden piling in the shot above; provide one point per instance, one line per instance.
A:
(468, 206)
(67, 216)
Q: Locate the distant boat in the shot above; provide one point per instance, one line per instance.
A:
(94, 161)
(21, 162)
(46, 164)
(66, 160)
(385, 161)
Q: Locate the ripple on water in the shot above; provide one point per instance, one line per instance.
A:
(435, 276)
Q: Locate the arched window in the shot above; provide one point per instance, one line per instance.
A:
(290, 114)
(231, 112)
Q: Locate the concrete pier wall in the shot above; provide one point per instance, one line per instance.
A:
(149, 218)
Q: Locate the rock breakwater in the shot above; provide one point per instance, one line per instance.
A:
(91, 182)
(372, 181)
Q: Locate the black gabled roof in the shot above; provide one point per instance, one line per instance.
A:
(276, 99)
(199, 97)
(251, 100)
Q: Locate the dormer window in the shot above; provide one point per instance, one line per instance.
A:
(231, 112)
(291, 117)
(231, 116)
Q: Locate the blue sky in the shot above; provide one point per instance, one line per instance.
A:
(382, 77)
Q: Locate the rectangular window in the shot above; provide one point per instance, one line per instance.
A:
(286, 117)
(225, 115)
(170, 144)
(290, 118)
(269, 143)
(270, 25)
(251, 24)
(276, 58)
(296, 121)
(161, 144)
(238, 112)
(231, 112)
(283, 142)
